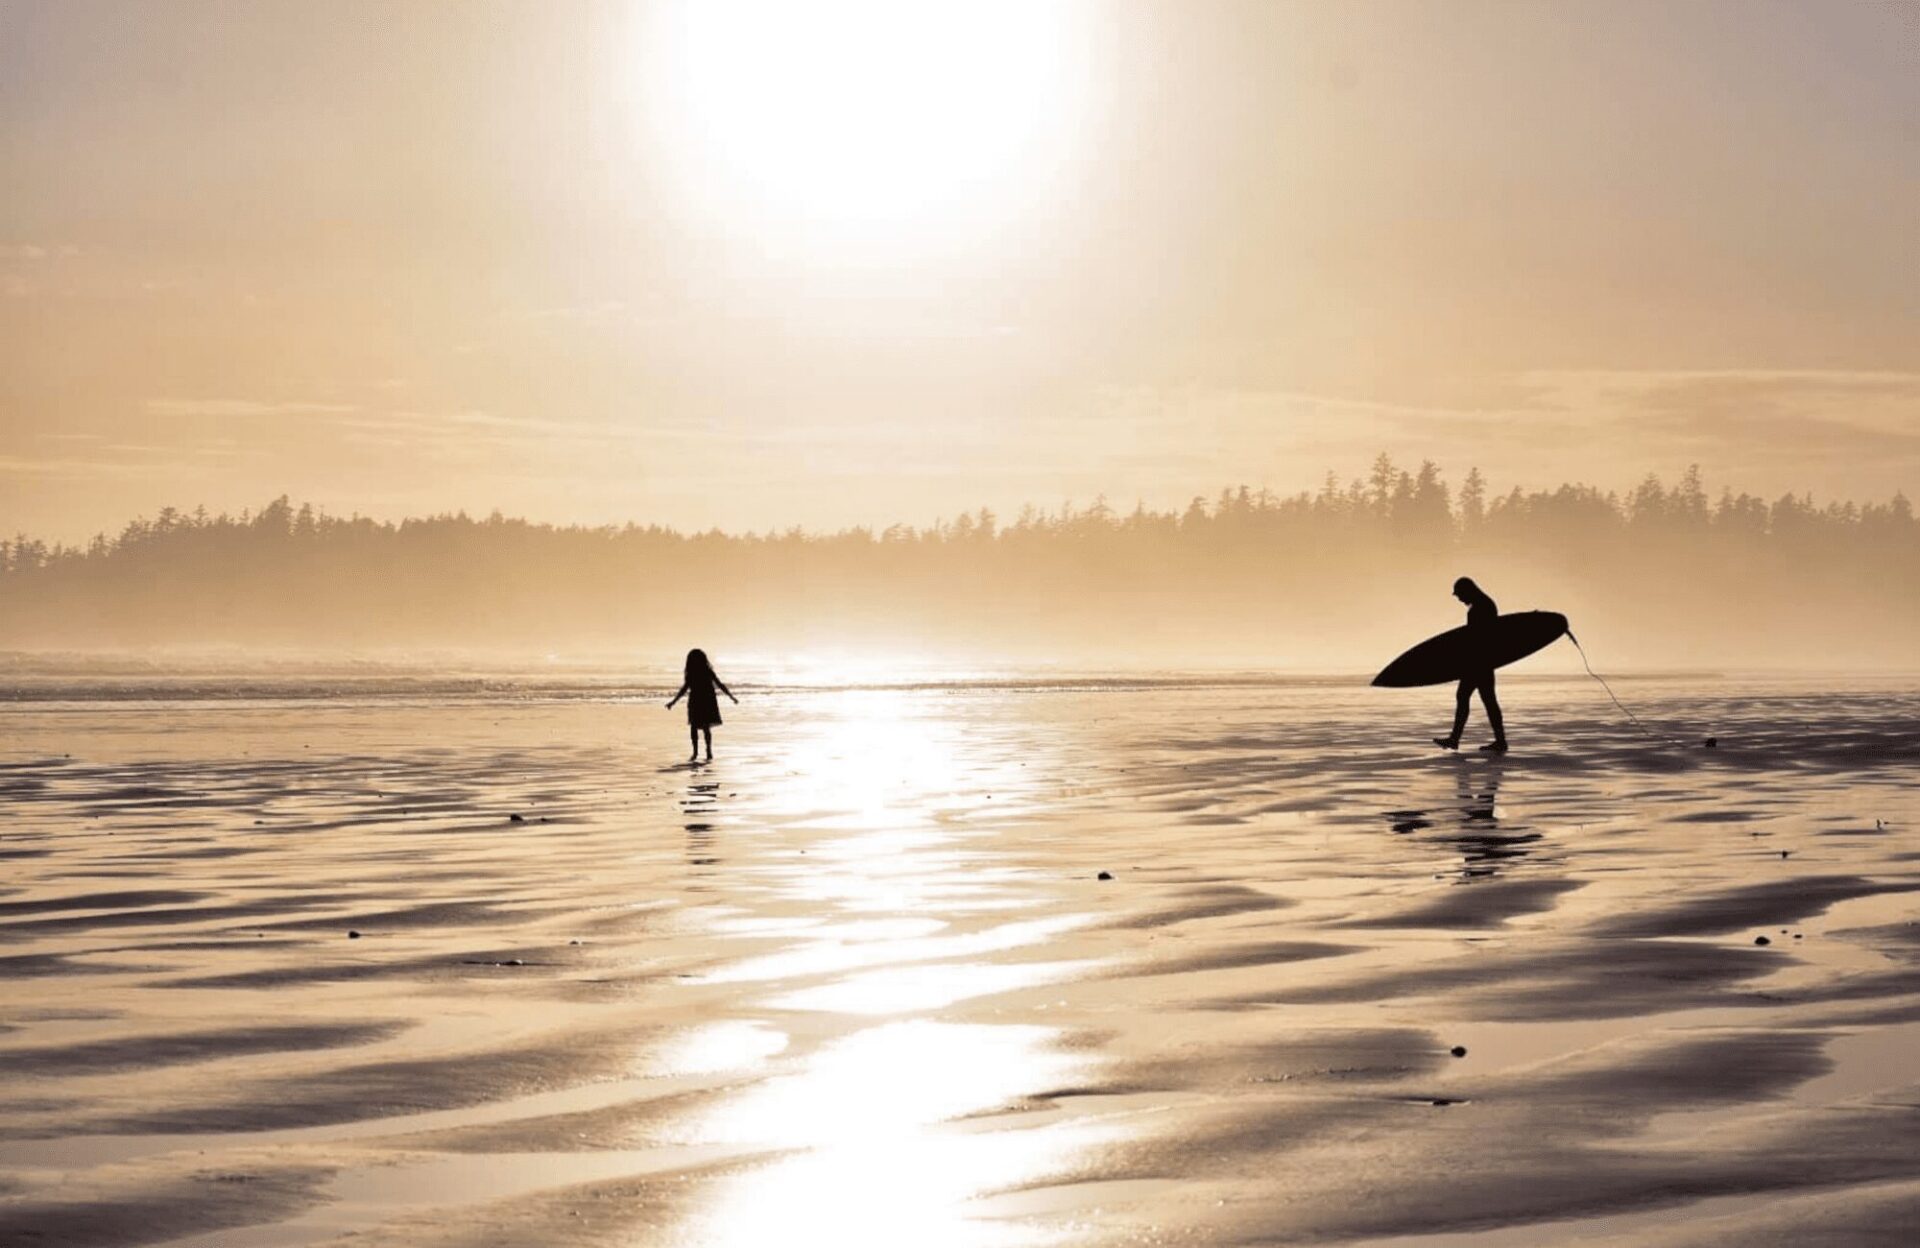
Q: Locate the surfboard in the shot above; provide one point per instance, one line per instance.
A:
(1455, 653)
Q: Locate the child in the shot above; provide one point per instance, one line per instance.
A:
(703, 708)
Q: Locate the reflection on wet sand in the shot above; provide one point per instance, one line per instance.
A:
(701, 808)
(1472, 822)
(871, 1155)
(949, 967)
(897, 914)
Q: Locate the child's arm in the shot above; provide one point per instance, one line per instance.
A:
(723, 689)
(677, 697)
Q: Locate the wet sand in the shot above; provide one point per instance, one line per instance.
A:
(859, 981)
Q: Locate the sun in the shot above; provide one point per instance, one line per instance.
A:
(862, 118)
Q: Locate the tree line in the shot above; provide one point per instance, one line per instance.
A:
(1674, 574)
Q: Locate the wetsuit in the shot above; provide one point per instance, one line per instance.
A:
(1481, 613)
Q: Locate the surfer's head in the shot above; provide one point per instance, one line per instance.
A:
(1466, 591)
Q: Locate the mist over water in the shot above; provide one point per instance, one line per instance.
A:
(1336, 581)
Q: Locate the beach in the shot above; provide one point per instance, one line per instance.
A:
(1171, 960)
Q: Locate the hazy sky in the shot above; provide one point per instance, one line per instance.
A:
(719, 265)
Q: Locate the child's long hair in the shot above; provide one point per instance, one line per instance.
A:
(697, 666)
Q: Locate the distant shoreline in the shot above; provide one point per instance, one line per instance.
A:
(42, 687)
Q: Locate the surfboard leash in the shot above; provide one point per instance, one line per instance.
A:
(1631, 717)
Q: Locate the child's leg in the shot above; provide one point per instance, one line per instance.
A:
(708, 732)
(693, 739)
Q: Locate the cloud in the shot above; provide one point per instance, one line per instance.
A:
(243, 407)
(1777, 413)
(472, 423)
(1728, 389)
(408, 429)
(1834, 431)
(609, 309)
(73, 469)
(1785, 412)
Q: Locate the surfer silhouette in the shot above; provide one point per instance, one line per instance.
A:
(1482, 611)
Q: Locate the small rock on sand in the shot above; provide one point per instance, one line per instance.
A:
(353, 935)
(1104, 875)
(516, 818)
(1459, 1050)
(1761, 940)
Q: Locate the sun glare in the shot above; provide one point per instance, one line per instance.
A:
(863, 118)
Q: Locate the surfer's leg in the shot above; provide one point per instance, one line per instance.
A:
(1462, 703)
(1491, 700)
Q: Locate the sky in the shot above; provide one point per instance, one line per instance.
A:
(756, 265)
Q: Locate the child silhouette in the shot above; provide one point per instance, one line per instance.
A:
(703, 707)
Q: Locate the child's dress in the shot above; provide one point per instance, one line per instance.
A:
(703, 704)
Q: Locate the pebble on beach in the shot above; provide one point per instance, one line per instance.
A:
(516, 818)
(1761, 940)
(1104, 875)
(1459, 1050)
(353, 935)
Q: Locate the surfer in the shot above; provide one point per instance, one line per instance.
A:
(1481, 614)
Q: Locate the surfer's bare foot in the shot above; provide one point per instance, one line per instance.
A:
(1447, 743)
(1495, 747)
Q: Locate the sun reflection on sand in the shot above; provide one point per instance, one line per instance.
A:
(733, 1045)
(895, 989)
(888, 1081)
(896, 921)
(853, 946)
(885, 759)
(879, 1167)
(921, 1190)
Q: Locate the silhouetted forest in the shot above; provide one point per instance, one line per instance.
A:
(1343, 576)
